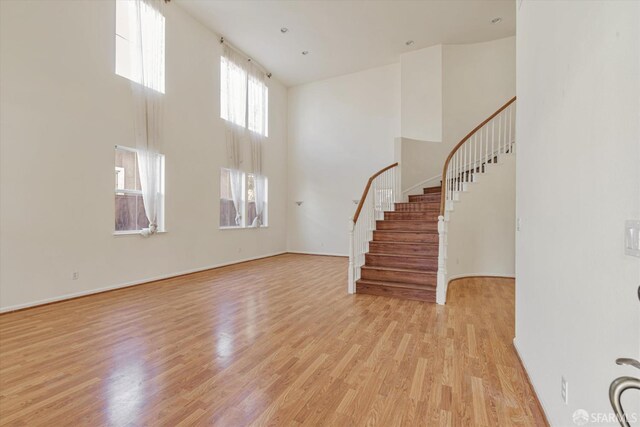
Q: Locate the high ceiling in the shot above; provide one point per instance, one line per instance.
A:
(345, 36)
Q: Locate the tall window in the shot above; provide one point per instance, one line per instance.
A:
(228, 210)
(244, 99)
(133, 48)
(130, 215)
(238, 205)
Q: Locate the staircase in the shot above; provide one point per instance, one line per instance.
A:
(399, 249)
(403, 256)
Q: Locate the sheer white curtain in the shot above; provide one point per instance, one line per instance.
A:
(147, 61)
(234, 87)
(257, 104)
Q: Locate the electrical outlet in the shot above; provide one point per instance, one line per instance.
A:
(565, 391)
(518, 224)
(75, 275)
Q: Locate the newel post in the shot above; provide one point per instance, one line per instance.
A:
(441, 285)
(351, 287)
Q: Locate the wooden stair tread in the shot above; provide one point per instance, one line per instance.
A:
(408, 243)
(402, 255)
(399, 270)
(431, 190)
(401, 248)
(407, 220)
(395, 284)
(410, 231)
(424, 293)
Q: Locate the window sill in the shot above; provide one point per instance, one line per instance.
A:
(133, 233)
(243, 228)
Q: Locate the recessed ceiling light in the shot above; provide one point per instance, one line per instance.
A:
(496, 20)
(305, 52)
(284, 30)
(409, 42)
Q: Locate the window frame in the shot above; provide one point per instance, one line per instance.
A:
(245, 204)
(161, 214)
(128, 72)
(248, 80)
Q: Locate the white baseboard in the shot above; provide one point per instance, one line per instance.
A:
(524, 365)
(450, 279)
(317, 253)
(462, 276)
(133, 283)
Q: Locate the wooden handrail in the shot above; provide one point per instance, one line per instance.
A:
(459, 144)
(366, 190)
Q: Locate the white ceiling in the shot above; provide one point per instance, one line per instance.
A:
(345, 36)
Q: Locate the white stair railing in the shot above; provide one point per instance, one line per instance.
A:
(380, 194)
(481, 148)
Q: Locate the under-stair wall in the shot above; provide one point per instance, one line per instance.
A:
(481, 228)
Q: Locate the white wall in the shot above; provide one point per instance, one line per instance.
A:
(421, 94)
(62, 111)
(481, 228)
(578, 180)
(477, 79)
(341, 131)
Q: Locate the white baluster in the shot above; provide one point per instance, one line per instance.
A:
(380, 199)
(458, 176)
(511, 128)
(460, 162)
(382, 194)
(500, 133)
(388, 191)
(457, 173)
(486, 147)
(475, 153)
(493, 138)
(450, 183)
(398, 194)
(465, 176)
(505, 126)
(515, 116)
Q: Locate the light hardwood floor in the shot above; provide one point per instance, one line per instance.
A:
(276, 341)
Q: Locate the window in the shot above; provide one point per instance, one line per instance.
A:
(130, 215)
(227, 208)
(244, 99)
(128, 49)
(258, 101)
(247, 214)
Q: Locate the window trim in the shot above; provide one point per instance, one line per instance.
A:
(134, 233)
(245, 204)
(247, 79)
(129, 75)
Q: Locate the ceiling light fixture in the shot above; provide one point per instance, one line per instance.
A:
(284, 30)
(496, 20)
(305, 52)
(409, 42)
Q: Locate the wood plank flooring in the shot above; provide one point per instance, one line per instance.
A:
(275, 342)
